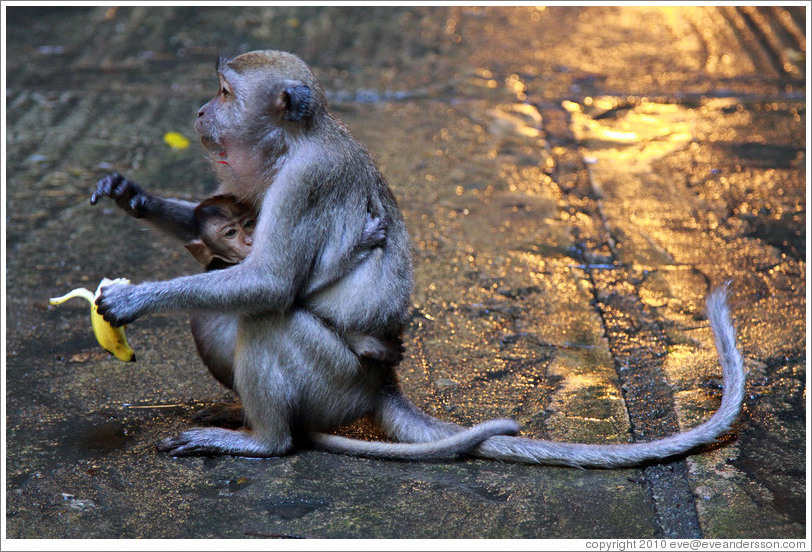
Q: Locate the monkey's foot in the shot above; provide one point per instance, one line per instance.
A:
(221, 415)
(213, 441)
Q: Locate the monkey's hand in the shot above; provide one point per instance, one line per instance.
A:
(127, 194)
(121, 304)
(374, 234)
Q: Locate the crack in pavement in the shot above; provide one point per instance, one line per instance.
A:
(637, 343)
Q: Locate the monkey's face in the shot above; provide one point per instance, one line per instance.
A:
(218, 119)
(262, 97)
(225, 228)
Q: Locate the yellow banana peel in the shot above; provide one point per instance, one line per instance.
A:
(176, 140)
(111, 339)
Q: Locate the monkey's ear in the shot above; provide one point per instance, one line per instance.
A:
(200, 251)
(298, 102)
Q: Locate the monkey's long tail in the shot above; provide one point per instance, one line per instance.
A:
(448, 447)
(610, 456)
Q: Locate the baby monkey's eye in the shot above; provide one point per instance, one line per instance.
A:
(248, 223)
(230, 233)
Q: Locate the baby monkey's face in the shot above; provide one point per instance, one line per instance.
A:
(231, 239)
(225, 230)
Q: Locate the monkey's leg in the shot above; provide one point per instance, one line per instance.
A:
(270, 436)
(260, 366)
(215, 335)
(290, 370)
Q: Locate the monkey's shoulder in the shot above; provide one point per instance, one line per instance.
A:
(332, 174)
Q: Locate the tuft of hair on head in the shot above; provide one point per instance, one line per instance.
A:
(221, 61)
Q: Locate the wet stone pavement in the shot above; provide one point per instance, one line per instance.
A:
(573, 180)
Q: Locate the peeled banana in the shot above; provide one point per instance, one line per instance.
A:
(111, 339)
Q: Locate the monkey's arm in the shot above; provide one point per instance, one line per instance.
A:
(173, 216)
(241, 288)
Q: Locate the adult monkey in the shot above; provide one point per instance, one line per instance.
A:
(274, 144)
(272, 327)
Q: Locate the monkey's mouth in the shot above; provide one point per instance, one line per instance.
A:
(215, 147)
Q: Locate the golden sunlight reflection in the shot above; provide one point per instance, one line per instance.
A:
(635, 135)
(515, 119)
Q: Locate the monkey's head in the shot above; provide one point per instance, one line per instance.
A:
(265, 97)
(225, 228)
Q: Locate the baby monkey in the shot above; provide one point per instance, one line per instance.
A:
(225, 227)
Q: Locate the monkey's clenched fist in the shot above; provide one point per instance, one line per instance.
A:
(119, 304)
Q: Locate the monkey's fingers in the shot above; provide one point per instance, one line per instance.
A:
(222, 415)
(374, 233)
(126, 193)
(105, 187)
(118, 303)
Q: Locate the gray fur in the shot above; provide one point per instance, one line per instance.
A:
(281, 346)
(455, 444)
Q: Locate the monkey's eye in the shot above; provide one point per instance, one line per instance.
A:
(230, 233)
(248, 223)
(225, 90)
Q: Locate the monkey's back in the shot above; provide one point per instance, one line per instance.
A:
(375, 297)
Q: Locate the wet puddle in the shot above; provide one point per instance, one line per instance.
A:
(632, 135)
(289, 509)
(84, 437)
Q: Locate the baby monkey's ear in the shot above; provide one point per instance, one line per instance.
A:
(200, 251)
(298, 102)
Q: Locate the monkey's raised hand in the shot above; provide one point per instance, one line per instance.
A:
(127, 194)
(174, 216)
